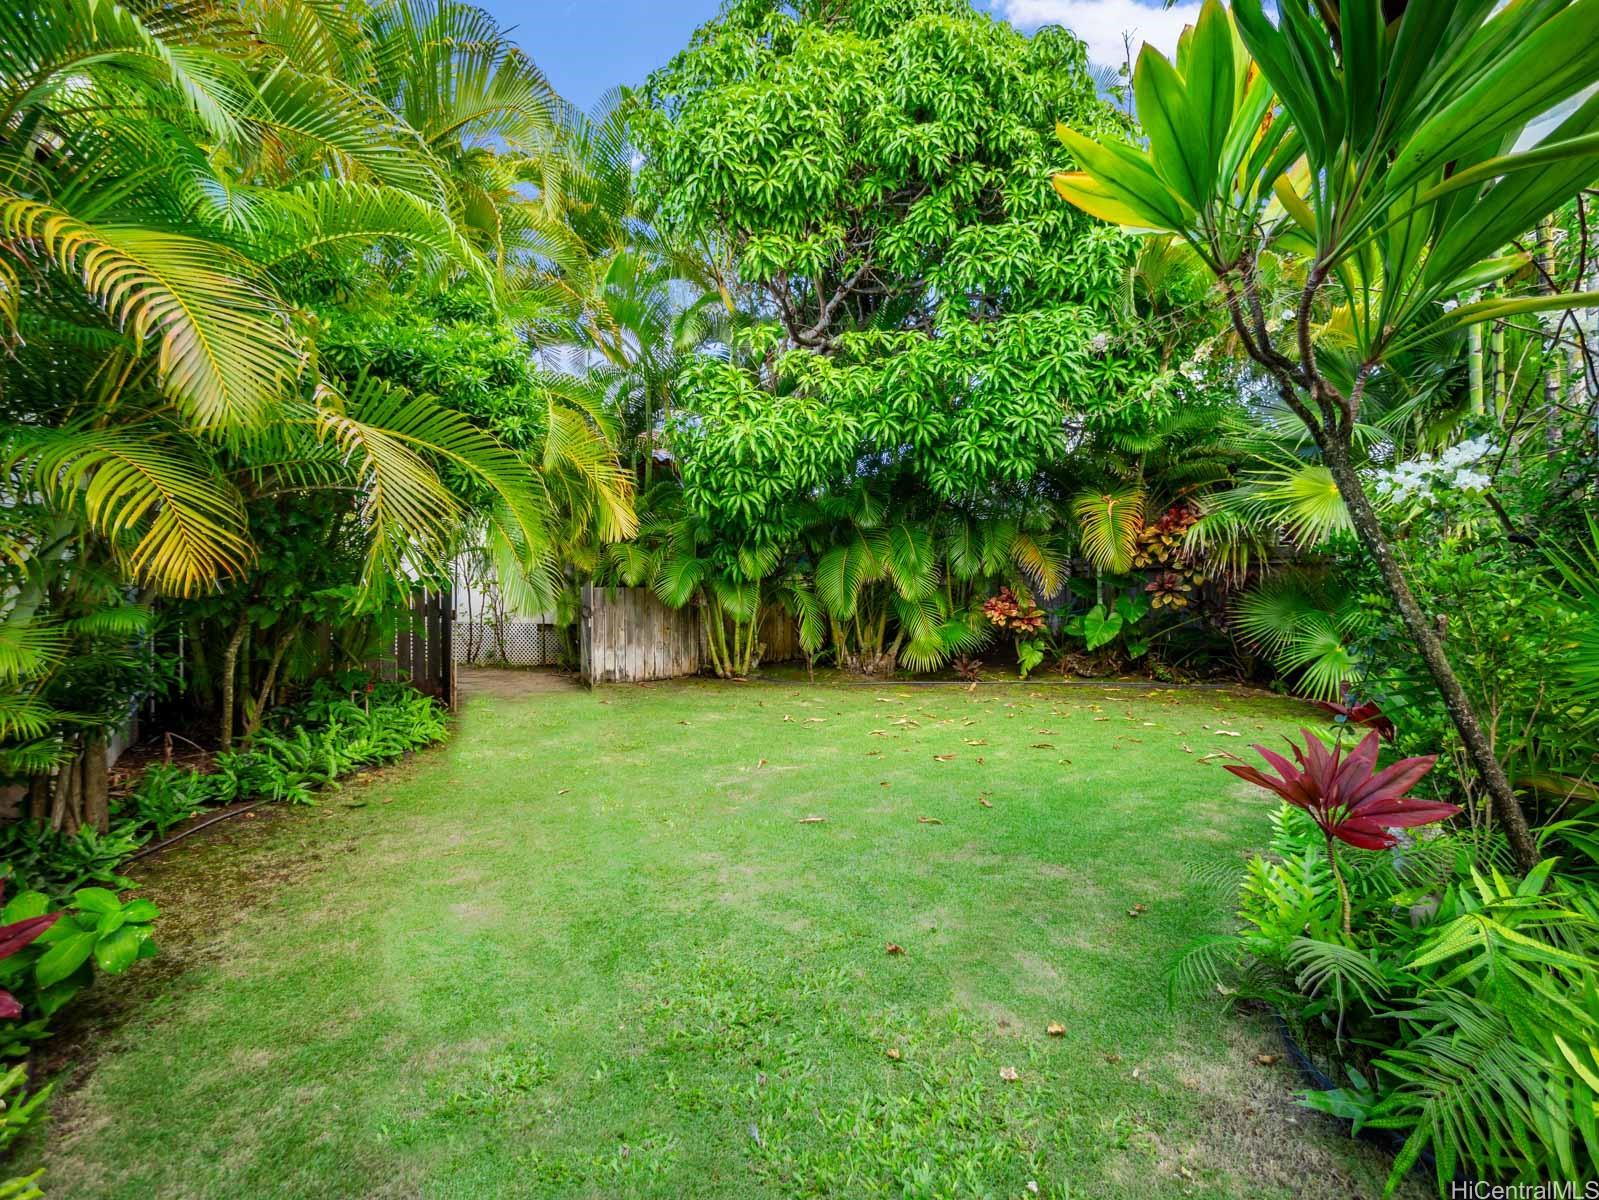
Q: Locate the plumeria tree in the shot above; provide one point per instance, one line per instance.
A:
(1385, 152)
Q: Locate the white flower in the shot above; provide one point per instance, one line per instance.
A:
(1451, 305)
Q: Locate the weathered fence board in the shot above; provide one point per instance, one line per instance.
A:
(628, 636)
(779, 637)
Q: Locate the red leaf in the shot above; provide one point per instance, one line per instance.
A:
(15, 936)
(1344, 797)
(8, 1005)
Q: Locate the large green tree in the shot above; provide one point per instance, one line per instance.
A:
(877, 173)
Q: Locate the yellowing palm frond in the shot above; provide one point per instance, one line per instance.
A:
(161, 505)
(226, 353)
(1109, 522)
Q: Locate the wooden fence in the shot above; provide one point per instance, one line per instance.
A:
(421, 650)
(628, 636)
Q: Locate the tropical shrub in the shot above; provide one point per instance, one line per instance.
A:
(1265, 141)
(1023, 620)
(1455, 1009)
(53, 955)
(1349, 800)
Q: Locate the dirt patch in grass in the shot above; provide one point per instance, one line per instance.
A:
(1254, 1137)
(496, 683)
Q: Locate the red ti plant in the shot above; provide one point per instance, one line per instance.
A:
(14, 937)
(1348, 799)
(1367, 715)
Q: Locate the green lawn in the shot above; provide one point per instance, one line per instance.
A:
(592, 949)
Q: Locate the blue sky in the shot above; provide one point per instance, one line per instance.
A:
(587, 46)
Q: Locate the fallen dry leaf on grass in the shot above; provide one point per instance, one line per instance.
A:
(563, 791)
(1137, 910)
(977, 741)
(893, 948)
(893, 1053)
(984, 803)
(1268, 1060)
(1055, 1029)
(1009, 1074)
(943, 758)
(1228, 733)
(760, 764)
(811, 820)
(1043, 746)
(928, 821)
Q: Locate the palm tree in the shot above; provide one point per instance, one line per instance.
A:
(172, 180)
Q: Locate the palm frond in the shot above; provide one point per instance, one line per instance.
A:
(1109, 524)
(226, 353)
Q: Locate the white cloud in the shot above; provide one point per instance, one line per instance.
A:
(1101, 23)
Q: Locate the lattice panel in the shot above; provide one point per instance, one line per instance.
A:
(514, 643)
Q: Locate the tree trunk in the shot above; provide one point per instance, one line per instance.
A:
(64, 803)
(230, 661)
(96, 784)
(258, 711)
(1430, 646)
(39, 798)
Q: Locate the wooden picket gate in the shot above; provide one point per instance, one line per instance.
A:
(421, 651)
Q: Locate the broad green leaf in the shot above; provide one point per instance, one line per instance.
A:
(65, 957)
(1212, 91)
(1100, 628)
(1493, 310)
(1272, 54)
(96, 900)
(1555, 60)
(1099, 200)
(24, 905)
(1128, 175)
(118, 951)
(1362, 35)
(1177, 139)
(141, 912)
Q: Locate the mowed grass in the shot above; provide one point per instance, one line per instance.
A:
(594, 948)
